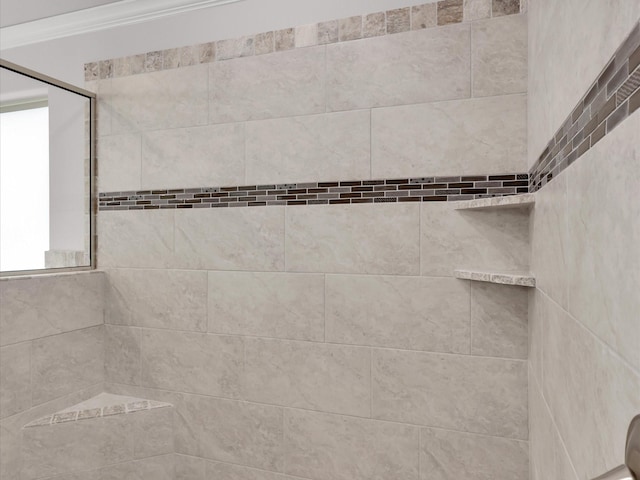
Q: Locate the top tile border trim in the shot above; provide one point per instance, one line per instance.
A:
(417, 17)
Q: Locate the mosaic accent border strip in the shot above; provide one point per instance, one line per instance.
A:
(424, 189)
(614, 96)
(417, 17)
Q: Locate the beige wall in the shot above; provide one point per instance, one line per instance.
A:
(323, 342)
(51, 351)
(584, 361)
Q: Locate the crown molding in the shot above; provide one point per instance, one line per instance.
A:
(124, 12)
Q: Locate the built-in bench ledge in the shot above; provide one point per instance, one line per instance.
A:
(523, 201)
(102, 405)
(521, 279)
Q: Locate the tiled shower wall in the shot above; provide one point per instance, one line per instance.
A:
(584, 355)
(51, 351)
(323, 342)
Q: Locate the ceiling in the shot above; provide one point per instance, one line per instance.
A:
(13, 12)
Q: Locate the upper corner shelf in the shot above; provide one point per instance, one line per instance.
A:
(526, 200)
(521, 279)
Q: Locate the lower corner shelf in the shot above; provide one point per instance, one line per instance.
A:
(520, 279)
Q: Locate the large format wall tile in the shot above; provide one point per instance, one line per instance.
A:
(234, 432)
(448, 455)
(189, 468)
(472, 394)
(119, 160)
(122, 354)
(15, 379)
(332, 447)
(493, 240)
(193, 157)
(309, 149)
(593, 379)
(175, 299)
(328, 378)
(142, 238)
(157, 467)
(231, 239)
(415, 313)
(413, 67)
(499, 55)
(47, 305)
(549, 237)
(192, 362)
(290, 83)
(227, 471)
(499, 320)
(280, 305)
(604, 228)
(380, 239)
(460, 137)
(64, 363)
(165, 99)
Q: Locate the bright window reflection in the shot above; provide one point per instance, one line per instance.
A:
(24, 189)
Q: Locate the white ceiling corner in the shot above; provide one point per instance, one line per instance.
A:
(125, 12)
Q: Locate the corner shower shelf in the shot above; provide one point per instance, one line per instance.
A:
(524, 201)
(102, 405)
(521, 279)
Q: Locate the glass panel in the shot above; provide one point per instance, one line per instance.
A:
(44, 175)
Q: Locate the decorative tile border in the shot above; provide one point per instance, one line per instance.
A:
(611, 98)
(417, 17)
(109, 410)
(425, 189)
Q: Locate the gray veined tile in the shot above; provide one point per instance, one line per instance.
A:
(15, 377)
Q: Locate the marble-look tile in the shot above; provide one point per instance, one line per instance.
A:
(450, 11)
(35, 307)
(189, 468)
(398, 20)
(156, 468)
(234, 48)
(460, 137)
(535, 318)
(353, 239)
(593, 379)
(65, 363)
(309, 375)
(15, 378)
(334, 447)
(231, 239)
(192, 362)
(309, 148)
(119, 160)
(350, 28)
(264, 43)
(549, 237)
(136, 238)
(122, 354)
(374, 25)
(237, 472)
(122, 66)
(327, 32)
(175, 299)
(427, 313)
(280, 305)
(153, 61)
(285, 39)
(207, 52)
(476, 10)
(291, 83)
(104, 110)
(548, 455)
(420, 66)
(105, 69)
(235, 432)
(484, 240)
(499, 320)
(193, 157)
(459, 392)
(424, 16)
(164, 99)
(152, 432)
(505, 7)
(499, 53)
(307, 35)
(446, 455)
(604, 257)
